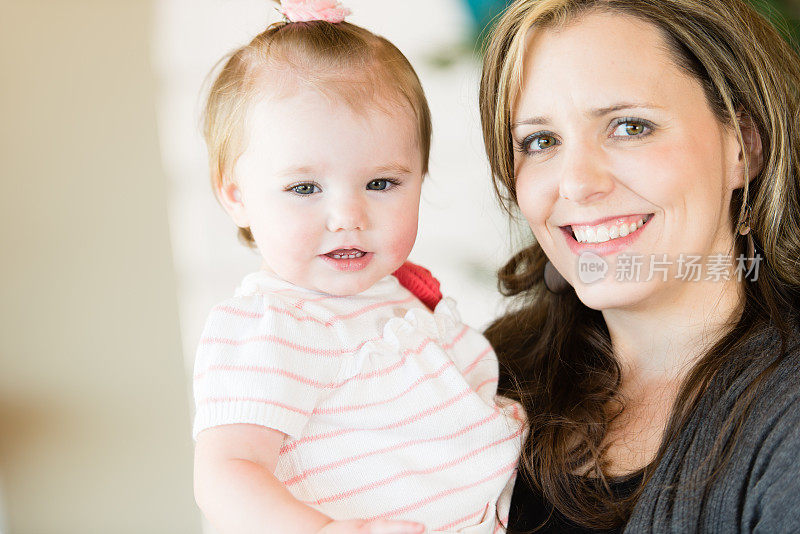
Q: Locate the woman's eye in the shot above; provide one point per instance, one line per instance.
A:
(378, 185)
(304, 189)
(630, 128)
(539, 142)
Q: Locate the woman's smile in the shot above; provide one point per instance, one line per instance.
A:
(607, 236)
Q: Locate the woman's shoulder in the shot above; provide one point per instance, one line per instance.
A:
(755, 485)
(773, 375)
(772, 502)
(765, 462)
(776, 404)
(775, 355)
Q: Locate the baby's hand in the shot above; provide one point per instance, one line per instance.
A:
(379, 526)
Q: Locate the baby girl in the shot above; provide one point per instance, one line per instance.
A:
(330, 399)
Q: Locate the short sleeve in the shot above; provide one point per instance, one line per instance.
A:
(262, 361)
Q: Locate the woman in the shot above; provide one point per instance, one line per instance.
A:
(653, 146)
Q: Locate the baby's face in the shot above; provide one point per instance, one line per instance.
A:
(331, 196)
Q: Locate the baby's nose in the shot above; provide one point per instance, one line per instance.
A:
(347, 214)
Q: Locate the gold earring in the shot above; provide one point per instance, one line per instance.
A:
(744, 229)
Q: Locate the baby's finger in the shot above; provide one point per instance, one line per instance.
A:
(381, 526)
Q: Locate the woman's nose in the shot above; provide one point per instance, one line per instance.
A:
(585, 176)
(347, 214)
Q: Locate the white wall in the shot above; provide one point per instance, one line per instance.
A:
(94, 411)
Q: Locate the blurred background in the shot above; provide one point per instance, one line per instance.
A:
(113, 248)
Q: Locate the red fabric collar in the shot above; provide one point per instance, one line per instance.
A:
(420, 282)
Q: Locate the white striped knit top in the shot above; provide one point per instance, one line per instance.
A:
(389, 409)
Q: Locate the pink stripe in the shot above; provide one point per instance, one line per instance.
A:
(215, 400)
(283, 342)
(237, 312)
(329, 322)
(501, 526)
(458, 338)
(468, 369)
(443, 494)
(516, 414)
(420, 380)
(339, 463)
(473, 515)
(389, 369)
(410, 472)
(362, 376)
(487, 381)
(263, 370)
(369, 308)
(401, 362)
(300, 301)
(416, 417)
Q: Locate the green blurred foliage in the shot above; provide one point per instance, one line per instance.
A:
(785, 15)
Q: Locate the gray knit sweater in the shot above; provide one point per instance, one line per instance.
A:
(759, 490)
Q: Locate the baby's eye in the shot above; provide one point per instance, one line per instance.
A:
(304, 189)
(378, 185)
(631, 128)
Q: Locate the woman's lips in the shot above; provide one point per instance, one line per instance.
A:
(606, 247)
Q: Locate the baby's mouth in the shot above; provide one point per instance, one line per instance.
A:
(345, 254)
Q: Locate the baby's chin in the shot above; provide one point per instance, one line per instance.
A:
(343, 287)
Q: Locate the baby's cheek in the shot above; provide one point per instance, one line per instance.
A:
(404, 234)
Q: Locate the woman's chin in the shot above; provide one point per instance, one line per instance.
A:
(612, 294)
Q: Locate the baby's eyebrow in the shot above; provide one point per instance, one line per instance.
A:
(393, 168)
(596, 112)
(302, 170)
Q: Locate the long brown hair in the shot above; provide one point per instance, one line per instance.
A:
(555, 352)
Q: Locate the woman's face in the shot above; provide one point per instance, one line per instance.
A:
(619, 161)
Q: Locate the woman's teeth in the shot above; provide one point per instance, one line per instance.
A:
(603, 233)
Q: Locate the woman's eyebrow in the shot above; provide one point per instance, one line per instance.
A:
(596, 112)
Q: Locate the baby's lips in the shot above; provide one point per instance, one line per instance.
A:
(345, 251)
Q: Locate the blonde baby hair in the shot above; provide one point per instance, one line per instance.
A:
(341, 60)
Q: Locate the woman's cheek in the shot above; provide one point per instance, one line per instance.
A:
(534, 203)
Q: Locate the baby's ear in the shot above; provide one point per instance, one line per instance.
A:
(230, 196)
(754, 150)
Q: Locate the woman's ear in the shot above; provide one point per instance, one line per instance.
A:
(230, 196)
(753, 151)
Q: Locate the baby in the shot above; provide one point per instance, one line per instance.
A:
(329, 398)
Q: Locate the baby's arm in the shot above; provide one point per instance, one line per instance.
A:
(235, 487)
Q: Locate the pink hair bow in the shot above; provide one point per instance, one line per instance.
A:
(309, 10)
